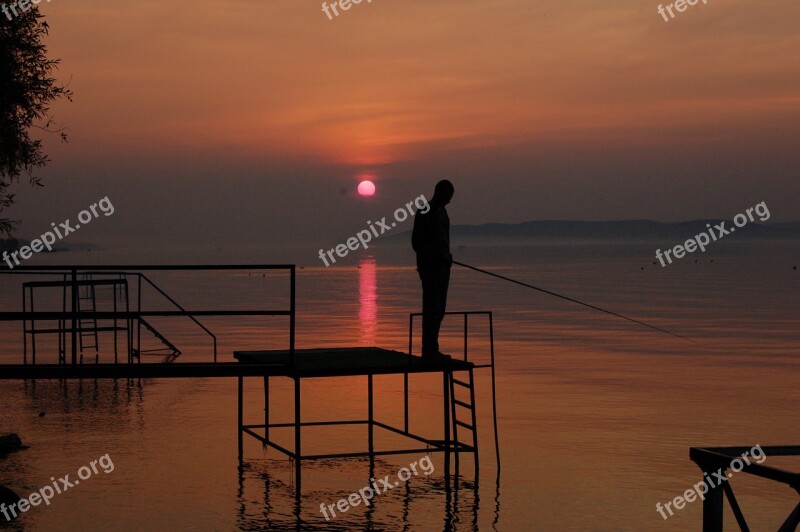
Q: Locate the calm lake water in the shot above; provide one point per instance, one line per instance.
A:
(596, 415)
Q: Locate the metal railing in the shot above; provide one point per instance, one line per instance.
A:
(719, 459)
(490, 365)
(142, 277)
(73, 314)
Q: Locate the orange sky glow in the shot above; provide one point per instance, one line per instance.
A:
(397, 80)
(552, 110)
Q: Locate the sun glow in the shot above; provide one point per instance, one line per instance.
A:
(366, 188)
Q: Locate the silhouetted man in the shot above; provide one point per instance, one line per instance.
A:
(431, 242)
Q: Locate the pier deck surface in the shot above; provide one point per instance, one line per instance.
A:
(333, 362)
(345, 361)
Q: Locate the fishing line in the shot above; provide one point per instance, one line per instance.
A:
(569, 299)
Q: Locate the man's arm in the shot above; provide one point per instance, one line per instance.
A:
(418, 236)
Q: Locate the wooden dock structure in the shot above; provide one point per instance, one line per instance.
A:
(459, 414)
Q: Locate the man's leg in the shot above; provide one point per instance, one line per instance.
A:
(431, 310)
(443, 283)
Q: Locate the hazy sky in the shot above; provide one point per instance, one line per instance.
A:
(251, 121)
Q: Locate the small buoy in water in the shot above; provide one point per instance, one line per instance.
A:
(41, 414)
(10, 443)
(8, 498)
(642, 268)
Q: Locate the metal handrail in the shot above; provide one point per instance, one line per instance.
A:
(178, 305)
(491, 365)
(466, 314)
(70, 274)
(720, 458)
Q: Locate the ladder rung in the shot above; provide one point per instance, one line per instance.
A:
(462, 383)
(470, 427)
(462, 403)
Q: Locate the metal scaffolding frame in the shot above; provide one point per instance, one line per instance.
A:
(412, 365)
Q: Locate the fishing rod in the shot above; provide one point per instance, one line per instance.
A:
(569, 299)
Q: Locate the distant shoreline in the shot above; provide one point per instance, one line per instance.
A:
(622, 230)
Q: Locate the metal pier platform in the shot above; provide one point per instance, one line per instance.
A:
(366, 361)
(78, 328)
(347, 361)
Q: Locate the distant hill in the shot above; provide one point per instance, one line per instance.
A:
(622, 229)
(11, 244)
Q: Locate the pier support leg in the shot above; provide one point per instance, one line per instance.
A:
(370, 418)
(240, 415)
(266, 411)
(297, 449)
(792, 521)
(713, 509)
(405, 400)
(446, 400)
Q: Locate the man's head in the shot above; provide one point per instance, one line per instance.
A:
(443, 192)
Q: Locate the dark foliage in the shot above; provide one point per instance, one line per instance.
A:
(26, 90)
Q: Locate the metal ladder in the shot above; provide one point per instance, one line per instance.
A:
(455, 406)
(87, 327)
